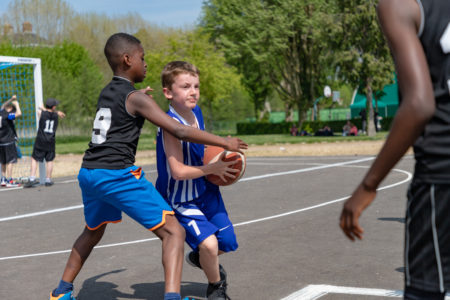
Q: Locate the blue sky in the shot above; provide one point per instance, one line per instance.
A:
(164, 13)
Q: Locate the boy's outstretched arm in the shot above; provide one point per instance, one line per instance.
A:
(142, 104)
(16, 105)
(14, 97)
(400, 21)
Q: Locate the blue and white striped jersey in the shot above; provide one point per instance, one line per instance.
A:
(180, 191)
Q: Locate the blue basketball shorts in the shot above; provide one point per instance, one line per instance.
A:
(108, 193)
(206, 216)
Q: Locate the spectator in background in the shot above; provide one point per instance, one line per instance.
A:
(363, 116)
(294, 130)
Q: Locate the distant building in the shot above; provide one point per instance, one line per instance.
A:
(24, 38)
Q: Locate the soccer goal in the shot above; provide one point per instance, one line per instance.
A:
(21, 76)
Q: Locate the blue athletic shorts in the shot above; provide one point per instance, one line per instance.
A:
(106, 193)
(205, 216)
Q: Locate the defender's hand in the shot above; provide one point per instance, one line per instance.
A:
(235, 144)
(352, 210)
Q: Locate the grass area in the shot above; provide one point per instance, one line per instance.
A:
(78, 144)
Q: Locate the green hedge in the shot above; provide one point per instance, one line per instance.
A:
(310, 126)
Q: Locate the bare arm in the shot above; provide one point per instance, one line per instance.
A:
(18, 112)
(8, 101)
(141, 104)
(399, 20)
(180, 171)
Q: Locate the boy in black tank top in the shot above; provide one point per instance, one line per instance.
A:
(109, 181)
(44, 144)
(418, 33)
(9, 111)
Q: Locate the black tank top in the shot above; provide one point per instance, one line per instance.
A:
(115, 133)
(45, 138)
(432, 148)
(7, 131)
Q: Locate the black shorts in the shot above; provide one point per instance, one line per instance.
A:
(40, 155)
(427, 237)
(8, 154)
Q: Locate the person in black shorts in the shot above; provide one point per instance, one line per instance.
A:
(44, 145)
(9, 111)
(418, 33)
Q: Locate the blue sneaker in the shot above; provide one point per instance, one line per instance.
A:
(67, 296)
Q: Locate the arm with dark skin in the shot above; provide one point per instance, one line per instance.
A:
(400, 21)
(139, 103)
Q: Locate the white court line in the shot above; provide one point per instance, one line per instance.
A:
(244, 179)
(409, 176)
(59, 182)
(312, 292)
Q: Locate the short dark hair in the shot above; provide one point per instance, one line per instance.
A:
(117, 45)
(175, 68)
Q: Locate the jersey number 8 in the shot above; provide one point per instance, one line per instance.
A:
(102, 123)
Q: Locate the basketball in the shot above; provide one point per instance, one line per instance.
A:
(212, 154)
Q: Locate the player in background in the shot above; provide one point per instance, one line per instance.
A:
(44, 145)
(418, 33)
(110, 182)
(9, 111)
(198, 204)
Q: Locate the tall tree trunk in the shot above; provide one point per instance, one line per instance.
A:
(370, 125)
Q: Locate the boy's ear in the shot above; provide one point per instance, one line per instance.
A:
(167, 93)
(126, 59)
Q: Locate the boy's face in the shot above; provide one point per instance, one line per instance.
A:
(138, 66)
(185, 92)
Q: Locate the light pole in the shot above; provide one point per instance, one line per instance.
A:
(326, 93)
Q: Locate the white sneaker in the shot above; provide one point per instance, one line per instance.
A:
(3, 183)
(11, 183)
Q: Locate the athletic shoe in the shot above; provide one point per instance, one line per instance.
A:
(49, 183)
(31, 183)
(67, 296)
(11, 183)
(217, 291)
(193, 258)
(4, 181)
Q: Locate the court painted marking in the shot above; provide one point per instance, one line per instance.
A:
(312, 292)
(409, 176)
(56, 210)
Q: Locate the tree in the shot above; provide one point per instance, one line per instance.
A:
(218, 81)
(363, 52)
(50, 19)
(68, 74)
(286, 39)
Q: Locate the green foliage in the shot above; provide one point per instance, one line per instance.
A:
(309, 126)
(363, 53)
(69, 75)
(221, 94)
(284, 43)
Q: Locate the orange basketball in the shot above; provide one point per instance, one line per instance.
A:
(212, 154)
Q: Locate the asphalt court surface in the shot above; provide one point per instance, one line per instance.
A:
(285, 211)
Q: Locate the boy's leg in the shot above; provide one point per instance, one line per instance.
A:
(9, 168)
(209, 259)
(33, 168)
(172, 236)
(415, 294)
(80, 252)
(49, 169)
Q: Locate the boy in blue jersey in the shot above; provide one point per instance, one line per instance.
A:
(110, 182)
(198, 204)
(418, 33)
